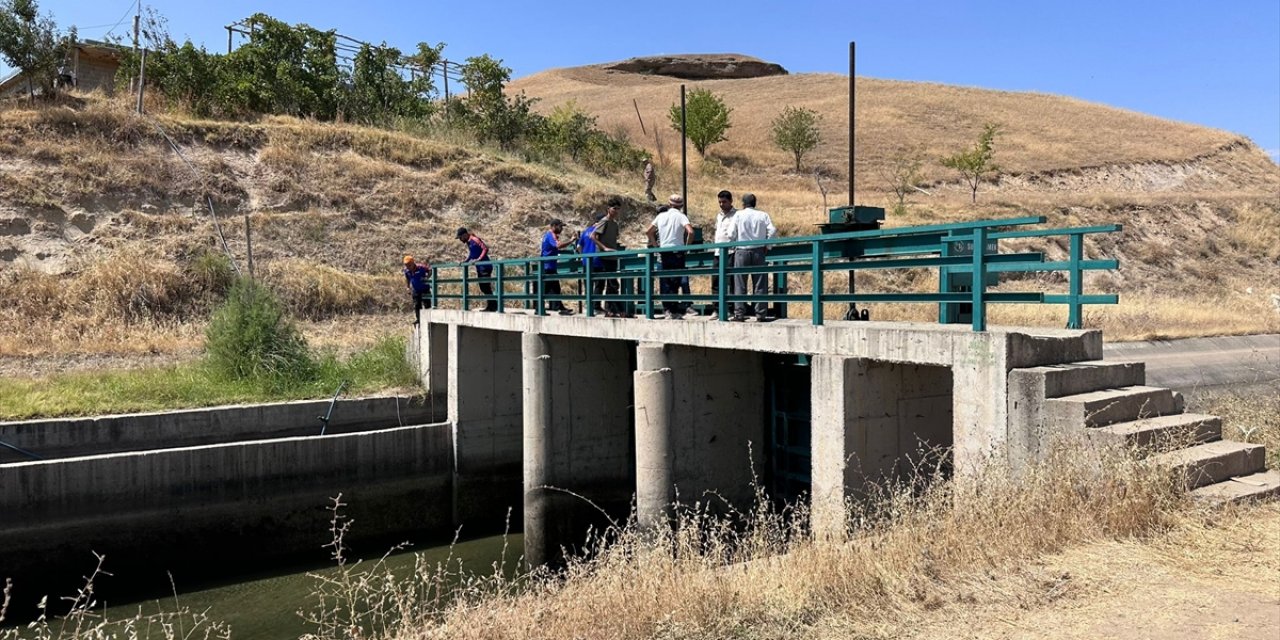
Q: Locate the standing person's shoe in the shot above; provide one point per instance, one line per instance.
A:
(765, 318)
(669, 316)
(737, 317)
(565, 312)
(691, 311)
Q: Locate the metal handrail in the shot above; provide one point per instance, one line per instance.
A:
(928, 246)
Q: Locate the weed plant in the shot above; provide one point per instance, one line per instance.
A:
(251, 338)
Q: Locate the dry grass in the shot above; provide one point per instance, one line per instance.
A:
(913, 549)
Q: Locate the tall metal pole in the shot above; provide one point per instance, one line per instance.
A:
(852, 142)
(684, 154)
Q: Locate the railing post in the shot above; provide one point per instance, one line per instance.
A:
(816, 266)
(1075, 282)
(780, 286)
(497, 285)
(435, 302)
(542, 288)
(722, 268)
(979, 279)
(466, 290)
(648, 285)
(590, 290)
(944, 284)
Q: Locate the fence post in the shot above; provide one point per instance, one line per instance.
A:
(497, 290)
(435, 302)
(590, 290)
(1075, 282)
(466, 290)
(722, 305)
(648, 285)
(979, 279)
(944, 284)
(816, 295)
(542, 288)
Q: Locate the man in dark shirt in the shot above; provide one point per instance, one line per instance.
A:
(478, 254)
(551, 247)
(418, 278)
(605, 236)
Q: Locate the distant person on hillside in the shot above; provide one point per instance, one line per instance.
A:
(751, 224)
(724, 221)
(551, 247)
(650, 176)
(671, 230)
(417, 278)
(605, 236)
(478, 255)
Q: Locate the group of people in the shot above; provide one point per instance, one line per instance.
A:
(670, 231)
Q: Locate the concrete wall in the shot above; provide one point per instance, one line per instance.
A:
(220, 506)
(871, 421)
(484, 407)
(717, 424)
(578, 435)
(65, 437)
(430, 345)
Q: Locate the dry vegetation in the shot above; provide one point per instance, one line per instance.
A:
(103, 235)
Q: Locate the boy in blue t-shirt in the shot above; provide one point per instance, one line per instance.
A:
(418, 278)
(551, 247)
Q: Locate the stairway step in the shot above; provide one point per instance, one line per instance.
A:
(1109, 406)
(1161, 431)
(1213, 462)
(1092, 375)
(1257, 486)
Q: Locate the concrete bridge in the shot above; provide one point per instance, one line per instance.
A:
(592, 413)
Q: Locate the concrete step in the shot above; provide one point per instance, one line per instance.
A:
(1258, 486)
(1212, 462)
(1161, 432)
(1093, 375)
(1109, 406)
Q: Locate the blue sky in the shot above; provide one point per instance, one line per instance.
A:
(1210, 63)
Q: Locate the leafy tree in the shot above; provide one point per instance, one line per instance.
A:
(708, 119)
(283, 69)
(796, 130)
(976, 162)
(32, 44)
(489, 112)
(569, 128)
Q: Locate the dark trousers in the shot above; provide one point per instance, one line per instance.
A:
(751, 257)
(485, 270)
(671, 260)
(421, 300)
(607, 286)
(552, 288)
(715, 279)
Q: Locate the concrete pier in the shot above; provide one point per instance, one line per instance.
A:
(654, 413)
(538, 420)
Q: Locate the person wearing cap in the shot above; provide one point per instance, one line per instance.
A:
(587, 246)
(417, 278)
(751, 224)
(605, 237)
(478, 254)
(671, 230)
(551, 247)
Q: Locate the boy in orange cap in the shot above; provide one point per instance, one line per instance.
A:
(418, 278)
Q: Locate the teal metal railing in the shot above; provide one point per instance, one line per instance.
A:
(965, 278)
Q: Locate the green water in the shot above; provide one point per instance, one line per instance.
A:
(267, 608)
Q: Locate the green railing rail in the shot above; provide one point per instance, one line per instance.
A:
(965, 275)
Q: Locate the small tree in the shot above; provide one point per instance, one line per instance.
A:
(976, 162)
(569, 128)
(708, 119)
(32, 44)
(902, 172)
(489, 112)
(796, 130)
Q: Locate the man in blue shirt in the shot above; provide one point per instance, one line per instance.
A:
(418, 278)
(551, 247)
(478, 254)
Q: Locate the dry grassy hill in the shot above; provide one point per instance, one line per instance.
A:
(105, 248)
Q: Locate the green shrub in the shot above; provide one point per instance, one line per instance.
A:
(250, 337)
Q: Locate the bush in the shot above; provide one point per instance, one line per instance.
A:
(250, 337)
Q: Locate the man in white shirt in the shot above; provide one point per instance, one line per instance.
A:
(724, 221)
(671, 229)
(750, 224)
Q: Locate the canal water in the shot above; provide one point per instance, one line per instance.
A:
(266, 607)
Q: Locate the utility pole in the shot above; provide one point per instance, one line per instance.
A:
(137, 21)
(684, 153)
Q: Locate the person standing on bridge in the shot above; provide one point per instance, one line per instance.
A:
(671, 230)
(551, 247)
(605, 237)
(751, 224)
(478, 255)
(724, 220)
(418, 278)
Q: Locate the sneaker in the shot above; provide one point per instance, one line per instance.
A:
(737, 317)
(765, 318)
(565, 312)
(669, 316)
(691, 311)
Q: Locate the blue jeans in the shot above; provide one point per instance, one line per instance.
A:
(671, 260)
